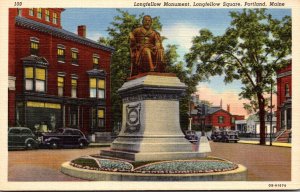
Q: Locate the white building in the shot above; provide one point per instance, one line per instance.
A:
(253, 124)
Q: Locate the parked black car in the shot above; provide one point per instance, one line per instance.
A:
(191, 136)
(216, 136)
(64, 137)
(22, 138)
(225, 136)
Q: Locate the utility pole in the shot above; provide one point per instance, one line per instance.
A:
(271, 120)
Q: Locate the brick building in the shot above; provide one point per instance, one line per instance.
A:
(56, 78)
(284, 98)
(216, 117)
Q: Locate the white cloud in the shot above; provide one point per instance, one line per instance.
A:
(180, 34)
(93, 35)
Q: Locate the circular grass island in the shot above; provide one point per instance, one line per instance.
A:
(201, 169)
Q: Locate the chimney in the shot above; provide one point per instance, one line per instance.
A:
(81, 30)
(228, 108)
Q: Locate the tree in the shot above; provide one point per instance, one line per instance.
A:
(185, 75)
(118, 33)
(252, 48)
(120, 65)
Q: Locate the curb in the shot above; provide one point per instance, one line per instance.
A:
(275, 144)
(91, 145)
(239, 174)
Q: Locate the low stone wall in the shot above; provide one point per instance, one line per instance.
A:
(239, 174)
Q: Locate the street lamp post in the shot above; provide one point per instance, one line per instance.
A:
(271, 116)
(203, 120)
(190, 116)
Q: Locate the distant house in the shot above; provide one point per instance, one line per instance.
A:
(241, 126)
(253, 124)
(215, 117)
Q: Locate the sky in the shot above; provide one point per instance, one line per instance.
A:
(179, 26)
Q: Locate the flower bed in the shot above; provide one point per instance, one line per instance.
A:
(114, 165)
(186, 166)
(161, 167)
(101, 164)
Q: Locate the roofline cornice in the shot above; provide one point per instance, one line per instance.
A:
(61, 33)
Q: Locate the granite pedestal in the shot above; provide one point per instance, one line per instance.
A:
(150, 124)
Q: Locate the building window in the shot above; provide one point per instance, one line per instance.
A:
(73, 118)
(40, 81)
(39, 13)
(35, 79)
(61, 53)
(98, 118)
(232, 120)
(54, 19)
(47, 15)
(31, 11)
(101, 118)
(60, 85)
(97, 88)
(34, 47)
(74, 88)
(74, 56)
(220, 119)
(29, 78)
(287, 90)
(96, 61)
(101, 88)
(19, 12)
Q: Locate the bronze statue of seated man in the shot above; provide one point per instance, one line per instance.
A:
(146, 50)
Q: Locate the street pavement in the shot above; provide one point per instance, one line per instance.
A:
(43, 164)
(264, 163)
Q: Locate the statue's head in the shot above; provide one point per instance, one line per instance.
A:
(147, 21)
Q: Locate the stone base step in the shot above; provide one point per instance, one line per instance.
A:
(148, 156)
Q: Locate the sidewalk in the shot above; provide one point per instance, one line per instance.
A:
(278, 144)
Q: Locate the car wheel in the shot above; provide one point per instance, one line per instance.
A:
(81, 144)
(54, 145)
(30, 145)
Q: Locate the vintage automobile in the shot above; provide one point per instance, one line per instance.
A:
(22, 138)
(225, 136)
(63, 137)
(191, 136)
(216, 136)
